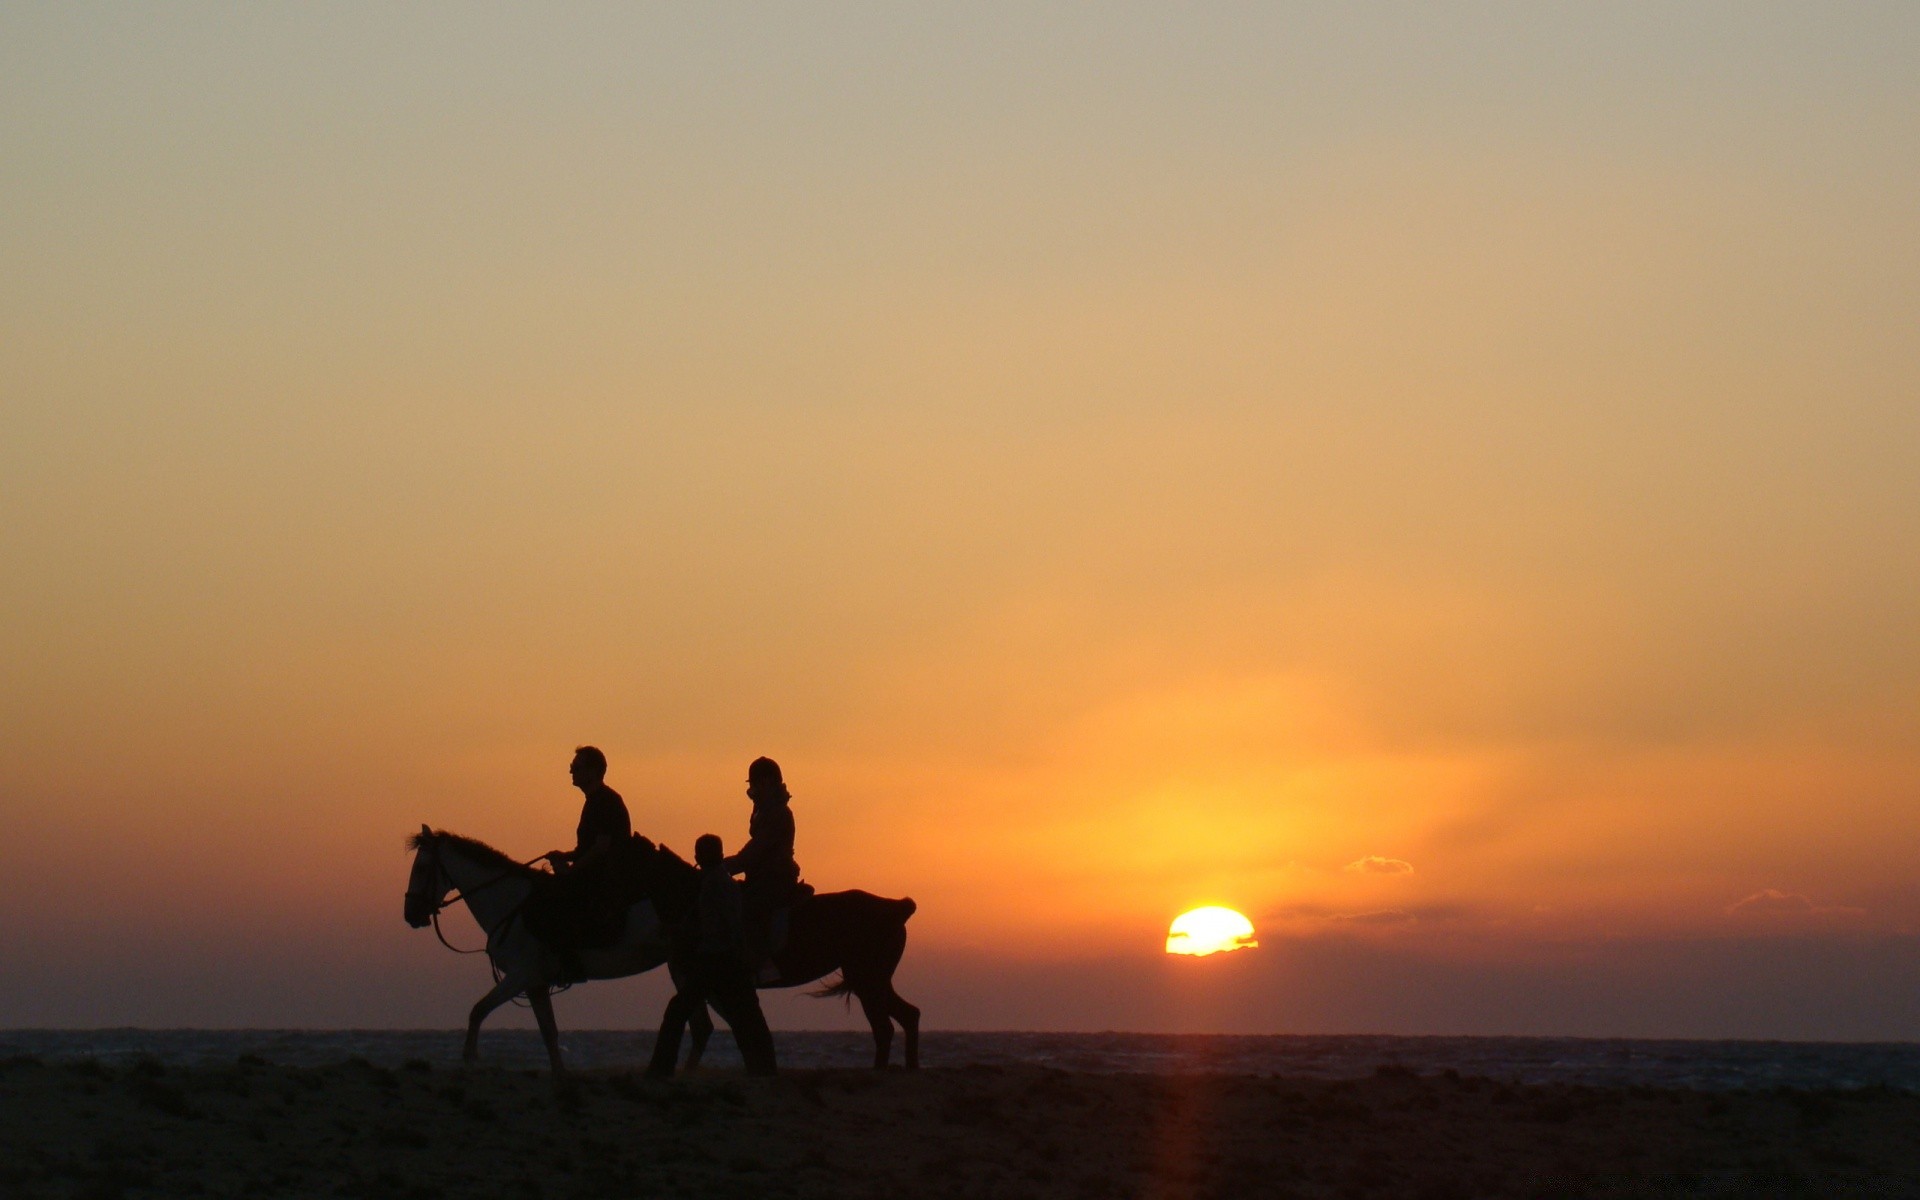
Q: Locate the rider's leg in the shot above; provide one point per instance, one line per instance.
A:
(566, 953)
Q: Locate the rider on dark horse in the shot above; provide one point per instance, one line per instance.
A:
(582, 906)
(772, 880)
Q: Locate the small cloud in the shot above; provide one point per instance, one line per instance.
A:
(1390, 916)
(1772, 902)
(1373, 864)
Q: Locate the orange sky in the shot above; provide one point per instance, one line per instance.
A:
(1115, 461)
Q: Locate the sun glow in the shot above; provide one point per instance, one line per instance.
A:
(1209, 930)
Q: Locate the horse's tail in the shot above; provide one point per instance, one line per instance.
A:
(839, 987)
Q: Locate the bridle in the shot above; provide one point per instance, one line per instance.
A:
(434, 907)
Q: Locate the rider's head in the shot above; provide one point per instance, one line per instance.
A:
(764, 782)
(706, 850)
(589, 766)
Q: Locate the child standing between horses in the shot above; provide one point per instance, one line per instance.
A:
(711, 966)
(720, 971)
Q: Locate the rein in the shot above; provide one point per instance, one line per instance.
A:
(487, 948)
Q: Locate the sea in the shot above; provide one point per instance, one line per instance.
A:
(1606, 1062)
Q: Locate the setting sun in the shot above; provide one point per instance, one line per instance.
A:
(1209, 930)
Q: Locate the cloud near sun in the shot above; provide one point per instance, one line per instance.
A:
(1773, 902)
(1373, 864)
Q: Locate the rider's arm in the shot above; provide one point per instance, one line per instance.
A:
(586, 854)
(580, 854)
(769, 842)
(736, 863)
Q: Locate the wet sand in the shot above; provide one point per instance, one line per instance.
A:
(82, 1129)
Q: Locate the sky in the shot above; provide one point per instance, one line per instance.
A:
(1441, 480)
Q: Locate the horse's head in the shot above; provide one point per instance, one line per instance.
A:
(427, 884)
(671, 882)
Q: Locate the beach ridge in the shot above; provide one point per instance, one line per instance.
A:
(86, 1128)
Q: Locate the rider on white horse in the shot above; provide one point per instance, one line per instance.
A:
(604, 822)
(584, 907)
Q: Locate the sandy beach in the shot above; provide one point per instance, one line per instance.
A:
(84, 1129)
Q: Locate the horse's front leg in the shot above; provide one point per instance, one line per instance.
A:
(700, 1024)
(666, 1043)
(542, 1002)
(508, 987)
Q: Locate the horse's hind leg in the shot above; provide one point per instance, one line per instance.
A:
(700, 1025)
(874, 1004)
(909, 1018)
(542, 1003)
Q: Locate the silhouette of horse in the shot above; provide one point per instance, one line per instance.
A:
(858, 934)
(496, 890)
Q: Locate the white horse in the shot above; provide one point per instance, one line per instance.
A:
(496, 889)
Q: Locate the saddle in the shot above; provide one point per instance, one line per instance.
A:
(586, 908)
(779, 923)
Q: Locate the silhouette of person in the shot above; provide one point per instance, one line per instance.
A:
(721, 930)
(767, 859)
(720, 935)
(582, 907)
(711, 966)
(604, 823)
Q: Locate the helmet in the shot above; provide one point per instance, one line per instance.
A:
(763, 774)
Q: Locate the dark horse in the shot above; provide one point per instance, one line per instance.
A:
(858, 934)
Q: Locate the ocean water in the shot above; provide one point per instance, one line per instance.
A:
(1613, 1062)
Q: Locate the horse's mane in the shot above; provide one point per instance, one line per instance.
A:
(665, 851)
(674, 880)
(498, 859)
